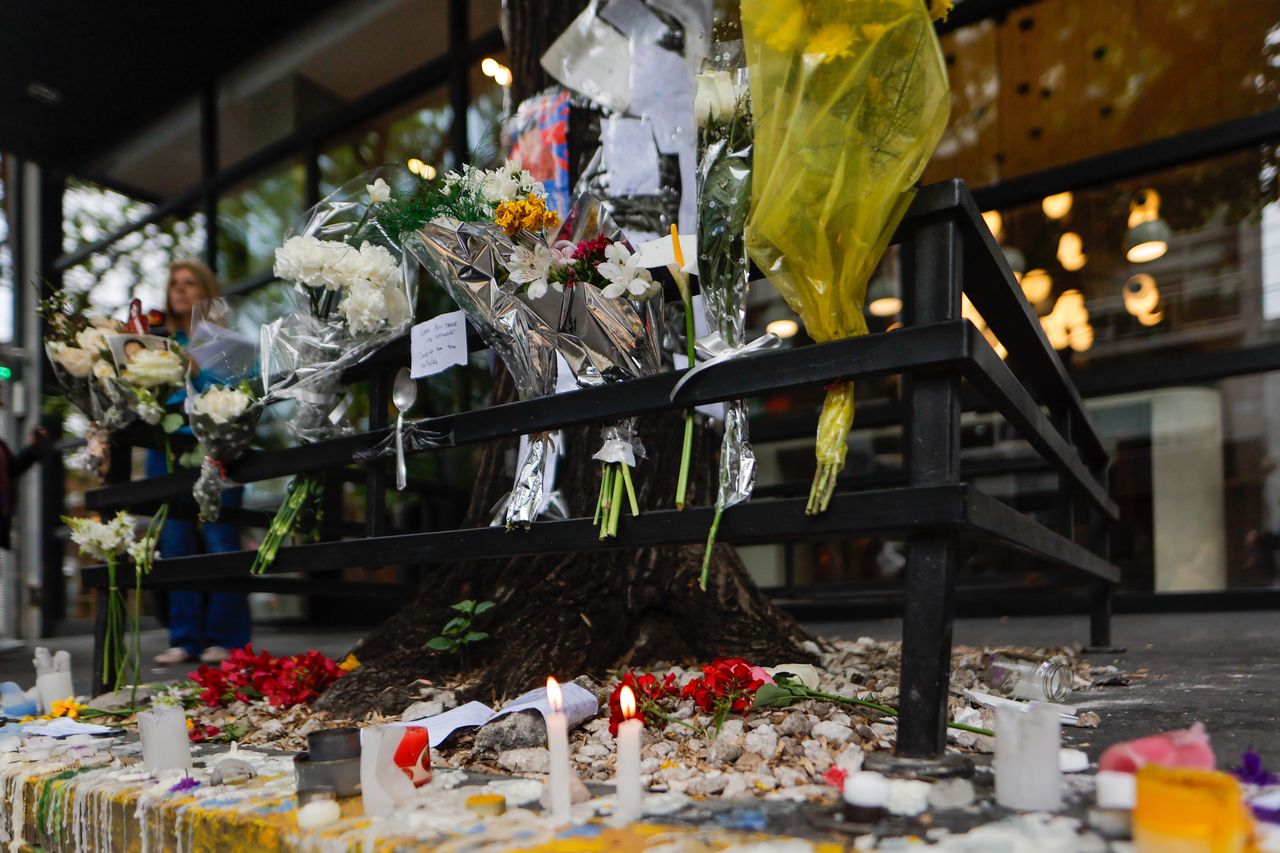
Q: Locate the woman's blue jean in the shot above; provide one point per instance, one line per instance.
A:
(200, 620)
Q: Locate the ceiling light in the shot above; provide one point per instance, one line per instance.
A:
(1057, 206)
(1147, 241)
(503, 77)
(883, 298)
(415, 165)
(44, 93)
(1036, 285)
(783, 328)
(1151, 319)
(995, 223)
(1080, 338)
(1141, 296)
(489, 66)
(1071, 252)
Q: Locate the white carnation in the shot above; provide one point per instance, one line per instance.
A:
(76, 361)
(103, 540)
(311, 261)
(365, 307)
(103, 370)
(92, 339)
(152, 368)
(105, 323)
(221, 405)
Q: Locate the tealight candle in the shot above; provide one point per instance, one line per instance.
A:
(630, 795)
(558, 745)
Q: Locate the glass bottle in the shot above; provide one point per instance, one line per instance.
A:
(1033, 679)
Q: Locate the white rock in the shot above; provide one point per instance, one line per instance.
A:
(790, 777)
(736, 786)
(817, 754)
(1072, 761)
(730, 730)
(951, 794)
(724, 752)
(531, 759)
(762, 741)
(908, 797)
(319, 813)
(850, 758)
(711, 783)
(796, 724)
(422, 710)
(650, 765)
(833, 731)
(762, 781)
(593, 750)
(663, 748)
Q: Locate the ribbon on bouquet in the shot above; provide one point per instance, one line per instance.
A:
(715, 350)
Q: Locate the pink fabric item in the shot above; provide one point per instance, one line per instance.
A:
(758, 674)
(1180, 748)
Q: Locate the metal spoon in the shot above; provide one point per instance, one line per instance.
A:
(403, 393)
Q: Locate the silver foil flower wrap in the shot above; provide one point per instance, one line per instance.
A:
(222, 443)
(606, 340)
(470, 259)
(304, 353)
(724, 200)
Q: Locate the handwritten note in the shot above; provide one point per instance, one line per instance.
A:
(438, 344)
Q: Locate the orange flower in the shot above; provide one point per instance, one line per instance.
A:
(529, 213)
(349, 663)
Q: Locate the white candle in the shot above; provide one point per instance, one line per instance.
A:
(165, 743)
(627, 778)
(558, 744)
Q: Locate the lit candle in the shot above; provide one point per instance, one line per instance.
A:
(628, 774)
(558, 744)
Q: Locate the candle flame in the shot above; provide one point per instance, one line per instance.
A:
(627, 702)
(554, 698)
(675, 244)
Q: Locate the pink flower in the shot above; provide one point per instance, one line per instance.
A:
(758, 674)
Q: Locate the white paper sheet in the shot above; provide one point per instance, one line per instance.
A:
(634, 19)
(592, 58)
(438, 344)
(662, 91)
(441, 726)
(63, 727)
(579, 704)
(631, 156)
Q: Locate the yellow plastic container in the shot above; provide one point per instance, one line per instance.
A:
(1190, 811)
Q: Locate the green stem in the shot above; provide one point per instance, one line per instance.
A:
(631, 490)
(887, 711)
(615, 511)
(606, 497)
(686, 458)
(711, 544)
(168, 456)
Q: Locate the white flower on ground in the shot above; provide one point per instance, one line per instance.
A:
(531, 267)
(221, 405)
(92, 339)
(152, 368)
(378, 191)
(76, 361)
(623, 271)
(715, 97)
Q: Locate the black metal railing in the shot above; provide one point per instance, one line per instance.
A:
(946, 250)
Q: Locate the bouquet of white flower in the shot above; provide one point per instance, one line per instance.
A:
(224, 420)
(352, 299)
(80, 357)
(107, 541)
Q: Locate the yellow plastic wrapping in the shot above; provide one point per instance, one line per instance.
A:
(850, 99)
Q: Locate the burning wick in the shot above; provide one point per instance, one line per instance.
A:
(558, 744)
(627, 779)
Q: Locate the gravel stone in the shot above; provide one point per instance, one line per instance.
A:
(525, 760)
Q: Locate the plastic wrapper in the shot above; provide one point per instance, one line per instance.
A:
(849, 101)
(223, 403)
(722, 109)
(349, 301)
(470, 260)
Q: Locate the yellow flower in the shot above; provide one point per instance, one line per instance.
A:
(529, 213)
(28, 718)
(786, 33)
(68, 707)
(873, 31)
(939, 9)
(349, 663)
(191, 724)
(831, 41)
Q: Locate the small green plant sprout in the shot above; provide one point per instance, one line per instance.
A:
(457, 634)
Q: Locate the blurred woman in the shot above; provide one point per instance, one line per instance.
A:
(202, 626)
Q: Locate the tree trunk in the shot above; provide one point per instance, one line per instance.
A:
(570, 614)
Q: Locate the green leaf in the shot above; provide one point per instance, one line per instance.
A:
(475, 637)
(777, 696)
(484, 607)
(171, 422)
(440, 644)
(456, 625)
(468, 606)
